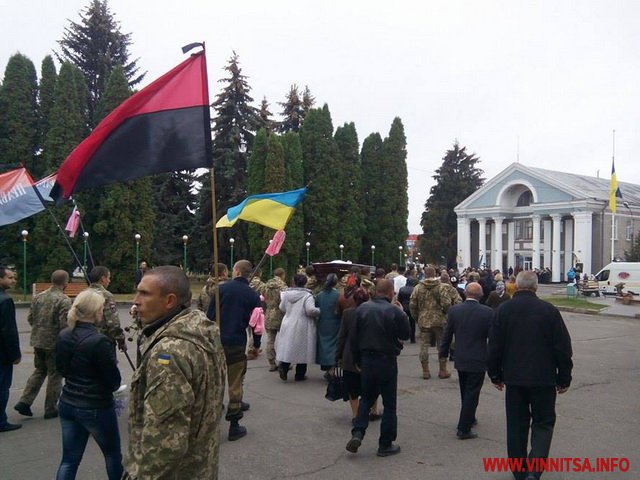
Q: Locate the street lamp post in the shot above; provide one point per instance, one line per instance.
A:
(373, 255)
(185, 239)
(25, 234)
(84, 260)
(232, 241)
(270, 262)
(341, 251)
(137, 237)
(307, 245)
(400, 256)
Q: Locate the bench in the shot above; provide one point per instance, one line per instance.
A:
(71, 290)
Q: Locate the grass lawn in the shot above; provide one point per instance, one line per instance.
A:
(576, 302)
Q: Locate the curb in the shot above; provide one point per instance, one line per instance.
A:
(587, 311)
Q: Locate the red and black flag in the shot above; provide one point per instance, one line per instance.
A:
(163, 128)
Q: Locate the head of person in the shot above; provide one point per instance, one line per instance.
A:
(473, 277)
(444, 277)
(365, 272)
(527, 280)
(7, 278)
(384, 289)
(280, 273)
(429, 272)
(87, 307)
(500, 287)
(394, 267)
(498, 277)
(402, 270)
(223, 271)
(242, 268)
(330, 282)
(299, 280)
(309, 271)
(473, 290)
(100, 275)
(144, 266)
(60, 278)
(163, 290)
(360, 295)
(380, 273)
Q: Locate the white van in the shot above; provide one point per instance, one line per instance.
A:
(616, 272)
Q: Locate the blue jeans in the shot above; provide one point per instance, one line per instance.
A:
(6, 375)
(77, 424)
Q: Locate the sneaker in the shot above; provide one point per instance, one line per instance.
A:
(10, 426)
(236, 432)
(244, 406)
(388, 450)
(49, 415)
(23, 409)
(466, 436)
(354, 443)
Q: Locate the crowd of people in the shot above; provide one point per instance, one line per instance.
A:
(353, 326)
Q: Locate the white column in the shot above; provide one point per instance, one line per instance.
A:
(555, 258)
(535, 260)
(464, 243)
(482, 241)
(582, 234)
(496, 258)
(546, 244)
(568, 244)
(511, 244)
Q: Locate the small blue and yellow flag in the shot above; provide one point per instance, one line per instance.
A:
(164, 359)
(614, 190)
(272, 210)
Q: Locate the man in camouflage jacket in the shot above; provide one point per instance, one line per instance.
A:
(47, 317)
(273, 315)
(177, 391)
(100, 278)
(209, 289)
(429, 303)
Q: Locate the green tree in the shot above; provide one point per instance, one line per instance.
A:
(96, 45)
(308, 101)
(46, 96)
(255, 185)
(266, 121)
(373, 179)
(456, 179)
(292, 111)
(293, 246)
(350, 192)
(634, 254)
(320, 160)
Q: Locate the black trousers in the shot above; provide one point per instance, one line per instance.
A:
(470, 386)
(530, 407)
(301, 369)
(379, 377)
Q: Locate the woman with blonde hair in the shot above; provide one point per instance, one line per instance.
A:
(87, 361)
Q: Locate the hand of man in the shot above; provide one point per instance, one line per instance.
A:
(122, 344)
(499, 386)
(562, 390)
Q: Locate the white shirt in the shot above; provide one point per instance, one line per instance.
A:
(399, 282)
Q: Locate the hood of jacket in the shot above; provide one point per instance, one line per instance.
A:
(275, 283)
(431, 283)
(293, 295)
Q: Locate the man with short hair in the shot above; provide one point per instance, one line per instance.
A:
(237, 301)
(178, 388)
(100, 278)
(469, 322)
(10, 354)
(144, 267)
(379, 327)
(529, 352)
(393, 273)
(272, 290)
(47, 317)
(399, 280)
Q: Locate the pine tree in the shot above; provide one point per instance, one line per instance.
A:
(294, 245)
(350, 192)
(96, 45)
(308, 101)
(265, 114)
(373, 179)
(456, 179)
(320, 160)
(292, 111)
(46, 96)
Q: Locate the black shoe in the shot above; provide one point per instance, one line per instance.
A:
(388, 450)
(283, 374)
(374, 416)
(10, 426)
(244, 406)
(236, 432)
(23, 409)
(300, 379)
(49, 415)
(354, 443)
(466, 436)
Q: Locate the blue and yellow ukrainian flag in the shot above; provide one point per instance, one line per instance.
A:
(614, 190)
(272, 210)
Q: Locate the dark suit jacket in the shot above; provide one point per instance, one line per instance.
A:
(9, 340)
(470, 323)
(529, 345)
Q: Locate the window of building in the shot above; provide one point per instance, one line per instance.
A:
(525, 199)
(629, 235)
(528, 230)
(523, 229)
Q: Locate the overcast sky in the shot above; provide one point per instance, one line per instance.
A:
(555, 77)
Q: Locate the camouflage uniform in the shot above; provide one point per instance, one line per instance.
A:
(207, 293)
(428, 304)
(47, 317)
(110, 325)
(313, 285)
(176, 401)
(273, 315)
(369, 285)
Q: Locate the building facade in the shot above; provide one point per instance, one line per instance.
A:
(531, 218)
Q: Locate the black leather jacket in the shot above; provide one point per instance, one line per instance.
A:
(87, 360)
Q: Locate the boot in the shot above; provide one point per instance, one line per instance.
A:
(236, 431)
(252, 353)
(444, 373)
(425, 370)
(273, 367)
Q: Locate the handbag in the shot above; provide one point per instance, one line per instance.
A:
(335, 387)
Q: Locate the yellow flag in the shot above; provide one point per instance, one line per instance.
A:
(614, 190)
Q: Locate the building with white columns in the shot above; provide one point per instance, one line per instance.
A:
(532, 218)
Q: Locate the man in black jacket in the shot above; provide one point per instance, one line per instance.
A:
(376, 344)
(530, 352)
(469, 322)
(9, 344)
